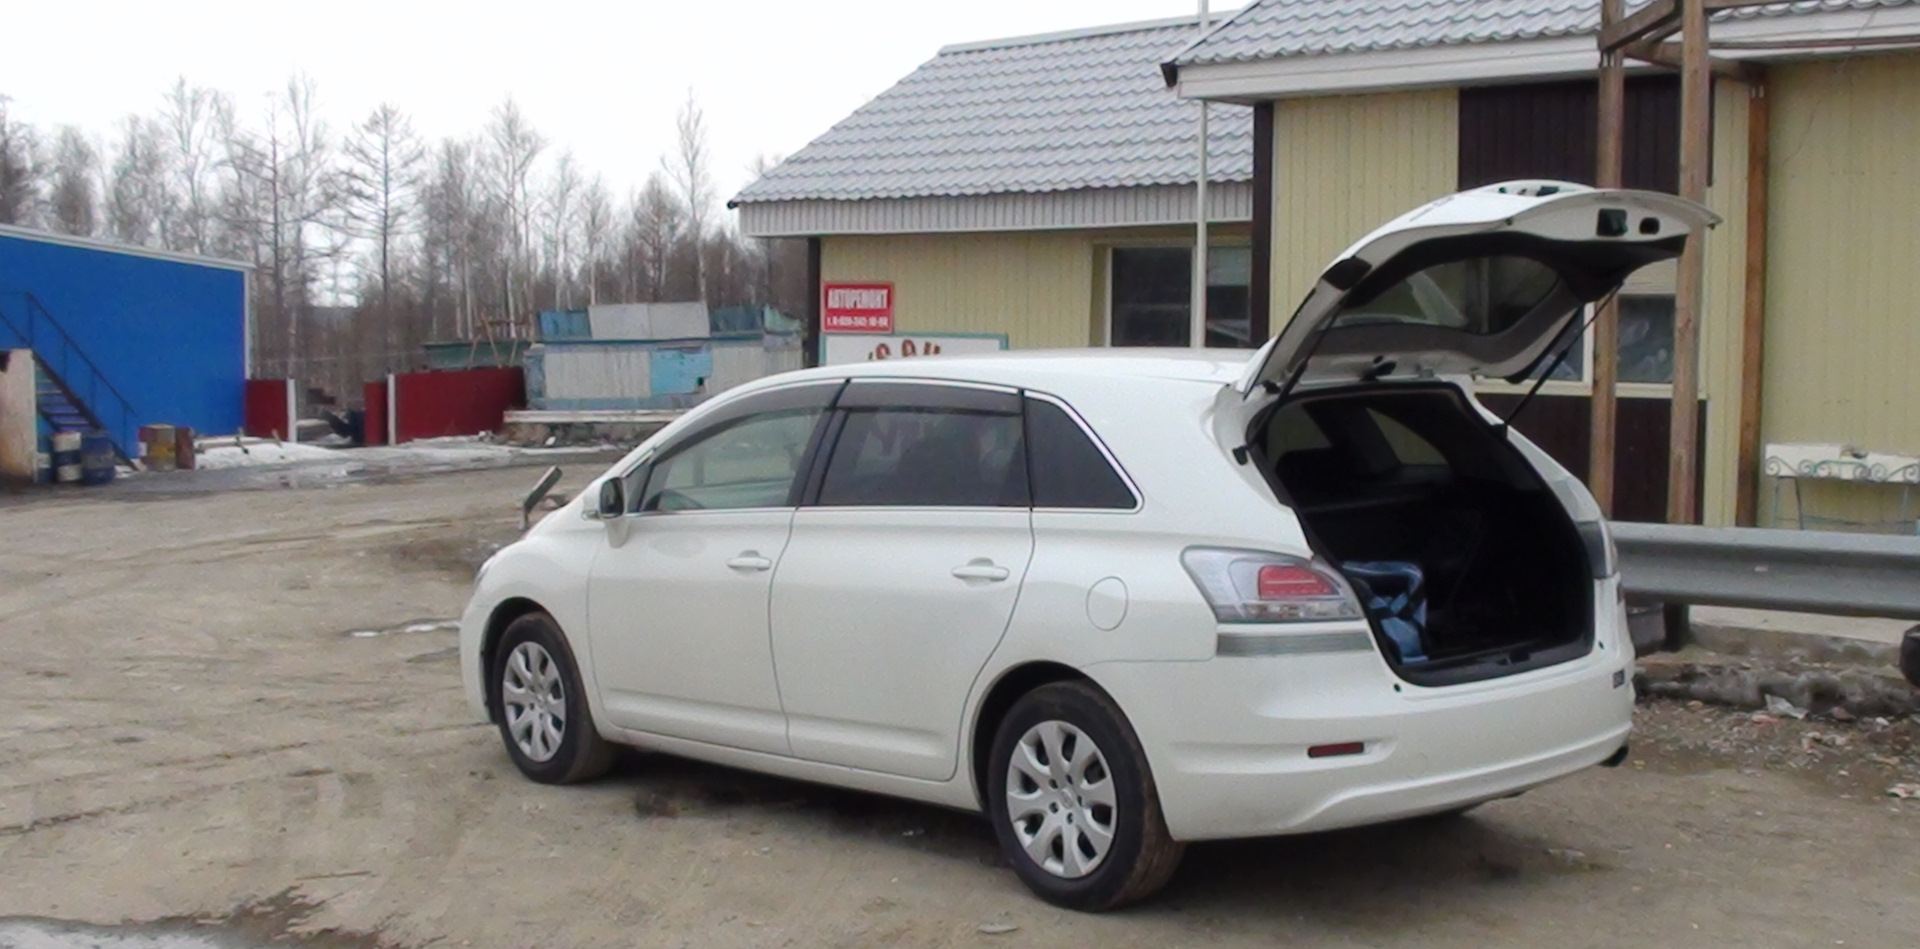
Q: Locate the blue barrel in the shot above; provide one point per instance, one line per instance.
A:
(97, 462)
(66, 457)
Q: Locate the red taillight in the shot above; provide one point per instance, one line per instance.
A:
(1288, 582)
(1335, 751)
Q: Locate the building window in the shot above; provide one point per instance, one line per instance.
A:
(1646, 339)
(1646, 344)
(1151, 293)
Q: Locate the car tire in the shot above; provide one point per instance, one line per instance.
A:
(541, 707)
(1066, 772)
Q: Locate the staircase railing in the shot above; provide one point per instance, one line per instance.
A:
(70, 368)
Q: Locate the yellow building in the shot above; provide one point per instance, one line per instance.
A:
(1042, 189)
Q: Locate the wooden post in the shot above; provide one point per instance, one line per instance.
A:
(1606, 322)
(810, 329)
(1753, 317)
(1696, 116)
(1260, 294)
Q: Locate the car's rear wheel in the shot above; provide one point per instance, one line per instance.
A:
(1073, 801)
(543, 714)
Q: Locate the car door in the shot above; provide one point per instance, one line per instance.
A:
(677, 600)
(901, 574)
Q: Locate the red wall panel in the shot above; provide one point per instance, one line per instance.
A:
(265, 409)
(466, 402)
(375, 395)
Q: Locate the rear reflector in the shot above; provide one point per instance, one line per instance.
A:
(1288, 582)
(1335, 751)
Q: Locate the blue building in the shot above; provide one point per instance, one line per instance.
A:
(125, 336)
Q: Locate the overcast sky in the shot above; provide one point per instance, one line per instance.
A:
(601, 78)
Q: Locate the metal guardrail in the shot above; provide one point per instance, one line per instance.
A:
(1830, 572)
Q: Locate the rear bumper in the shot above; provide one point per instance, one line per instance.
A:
(1227, 738)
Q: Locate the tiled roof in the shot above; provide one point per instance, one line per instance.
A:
(1061, 112)
(1272, 29)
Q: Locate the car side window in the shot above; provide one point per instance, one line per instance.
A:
(750, 463)
(1069, 470)
(922, 456)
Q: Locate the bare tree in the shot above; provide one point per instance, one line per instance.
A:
(694, 181)
(514, 146)
(189, 115)
(139, 198)
(456, 236)
(72, 198)
(379, 184)
(19, 181)
(596, 224)
(293, 189)
(652, 229)
(557, 220)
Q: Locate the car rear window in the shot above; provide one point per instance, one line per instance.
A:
(1069, 470)
(927, 457)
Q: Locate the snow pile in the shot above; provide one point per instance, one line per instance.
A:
(260, 454)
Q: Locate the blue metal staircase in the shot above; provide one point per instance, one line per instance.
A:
(73, 395)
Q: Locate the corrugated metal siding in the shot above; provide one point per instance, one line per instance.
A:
(1550, 130)
(737, 362)
(599, 372)
(1842, 278)
(1036, 287)
(169, 332)
(1040, 288)
(1346, 165)
(1106, 207)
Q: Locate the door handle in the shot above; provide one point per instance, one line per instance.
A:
(982, 570)
(750, 561)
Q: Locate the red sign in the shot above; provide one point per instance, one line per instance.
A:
(856, 308)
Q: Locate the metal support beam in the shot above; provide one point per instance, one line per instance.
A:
(1696, 116)
(1198, 308)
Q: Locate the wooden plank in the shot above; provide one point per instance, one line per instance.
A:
(1606, 323)
(1696, 114)
(1753, 317)
(1260, 294)
(1669, 55)
(1654, 21)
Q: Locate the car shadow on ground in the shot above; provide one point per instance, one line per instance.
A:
(1336, 876)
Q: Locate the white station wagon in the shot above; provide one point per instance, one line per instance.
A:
(1118, 600)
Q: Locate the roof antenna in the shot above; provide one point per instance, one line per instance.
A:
(1560, 357)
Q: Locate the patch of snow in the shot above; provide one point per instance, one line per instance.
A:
(260, 454)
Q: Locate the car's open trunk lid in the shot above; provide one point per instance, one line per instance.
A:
(1478, 283)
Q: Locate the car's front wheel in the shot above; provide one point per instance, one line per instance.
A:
(1073, 802)
(543, 712)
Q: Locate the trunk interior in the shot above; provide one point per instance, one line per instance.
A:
(1411, 474)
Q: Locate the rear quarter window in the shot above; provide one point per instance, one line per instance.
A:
(1069, 470)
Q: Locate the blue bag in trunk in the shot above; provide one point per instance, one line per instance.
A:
(1394, 593)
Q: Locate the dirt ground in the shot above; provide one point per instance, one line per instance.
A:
(242, 710)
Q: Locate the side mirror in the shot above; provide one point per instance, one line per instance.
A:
(613, 498)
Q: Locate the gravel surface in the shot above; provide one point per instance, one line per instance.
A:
(219, 702)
